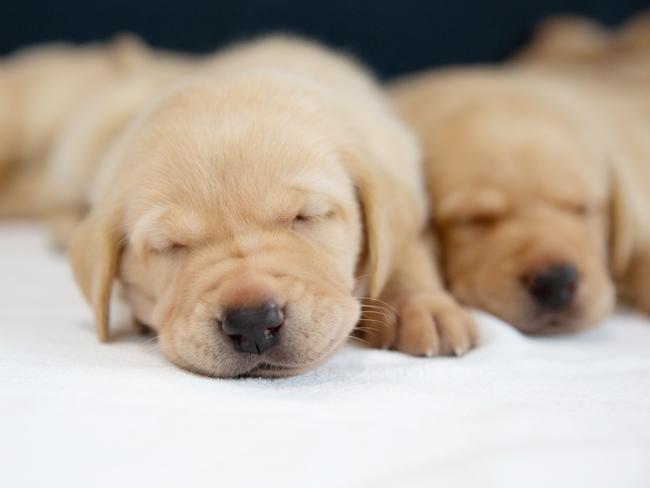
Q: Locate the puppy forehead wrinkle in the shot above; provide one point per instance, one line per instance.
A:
(471, 199)
(534, 160)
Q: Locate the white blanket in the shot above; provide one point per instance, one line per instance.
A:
(520, 412)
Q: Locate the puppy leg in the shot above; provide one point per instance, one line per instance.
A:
(416, 315)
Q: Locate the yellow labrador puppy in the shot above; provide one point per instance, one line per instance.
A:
(246, 213)
(43, 90)
(540, 186)
(75, 156)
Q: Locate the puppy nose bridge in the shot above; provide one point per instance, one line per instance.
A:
(544, 249)
(245, 287)
(244, 244)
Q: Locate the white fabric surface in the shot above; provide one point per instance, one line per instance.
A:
(520, 412)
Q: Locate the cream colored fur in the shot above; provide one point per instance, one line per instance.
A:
(277, 173)
(537, 163)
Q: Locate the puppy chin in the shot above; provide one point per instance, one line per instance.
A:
(550, 324)
(587, 312)
(251, 366)
(270, 370)
(282, 370)
(504, 297)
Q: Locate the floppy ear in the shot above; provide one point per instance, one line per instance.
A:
(626, 217)
(389, 219)
(94, 255)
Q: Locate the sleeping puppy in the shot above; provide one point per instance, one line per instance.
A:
(75, 156)
(42, 91)
(248, 211)
(539, 185)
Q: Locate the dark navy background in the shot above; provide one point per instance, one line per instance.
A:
(392, 36)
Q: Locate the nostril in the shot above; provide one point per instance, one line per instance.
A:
(272, 331)
(553, 287)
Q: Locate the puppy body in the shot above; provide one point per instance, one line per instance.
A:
(530, 171)
(280, 175)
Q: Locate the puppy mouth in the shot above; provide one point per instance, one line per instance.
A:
(544, 323)
(552, 325)
(272, 370)
(269, 370)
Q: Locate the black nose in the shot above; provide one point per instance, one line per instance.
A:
(554, 287)
(253, 329)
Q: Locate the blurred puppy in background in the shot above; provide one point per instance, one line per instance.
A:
(246, 211)
(539, 177)
(43, 90)
(583, 47)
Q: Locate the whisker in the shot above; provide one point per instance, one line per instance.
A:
(359, 340)
(377, 312)
(375, 307)
(382, 302)
(366, 321)
(382, 321)
(366, 327)
(151, 340)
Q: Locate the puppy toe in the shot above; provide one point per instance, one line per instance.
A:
(423, 325)
(431, 326)
(418, 334)
(456, 328)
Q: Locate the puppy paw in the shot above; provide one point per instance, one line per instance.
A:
(420, 325)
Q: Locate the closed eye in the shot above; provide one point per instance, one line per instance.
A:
(576, 208)
(175, 247)
(302, 218)
(473, 208)
(169, 247)
(580, 209)
(478, 220)
(307, 218)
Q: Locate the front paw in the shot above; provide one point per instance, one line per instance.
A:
(426, 324)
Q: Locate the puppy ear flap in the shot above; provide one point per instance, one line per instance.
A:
(626, 219)
(377, 238)
(383, 210)
(94, 255)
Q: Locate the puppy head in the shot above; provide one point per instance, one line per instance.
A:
(234, 226)
(525, 206)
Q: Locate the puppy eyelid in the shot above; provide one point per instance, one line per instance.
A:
(177, 247)
(303, 219)
(579, 209)
(478, 220)
(172, 247)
